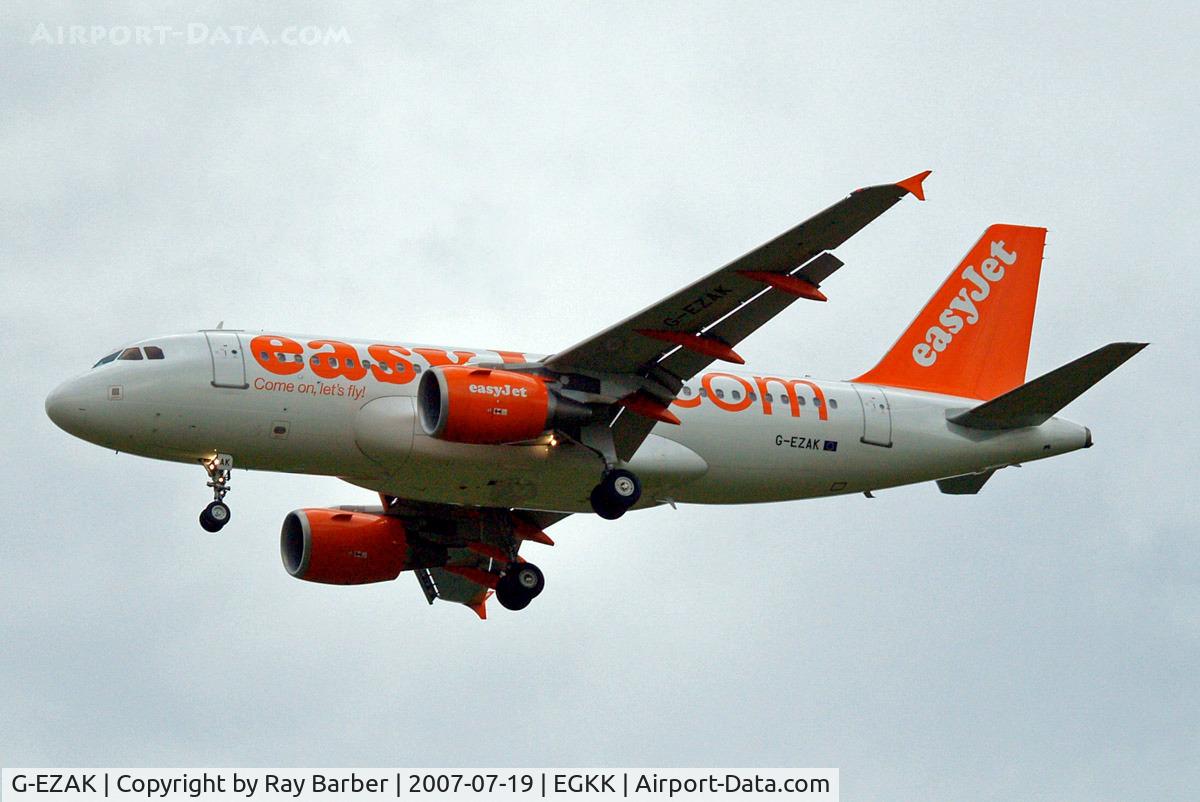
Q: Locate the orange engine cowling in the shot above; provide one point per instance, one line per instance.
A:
(466, 404)
(338, 547)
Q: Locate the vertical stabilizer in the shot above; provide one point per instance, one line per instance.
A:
(972, 338)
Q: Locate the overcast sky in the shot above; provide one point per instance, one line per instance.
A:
(520, 176)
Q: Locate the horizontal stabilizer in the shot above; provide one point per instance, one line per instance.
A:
(966, 485)
(1035, 402)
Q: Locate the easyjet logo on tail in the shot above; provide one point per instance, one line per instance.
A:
(963, 309)
(972, 338)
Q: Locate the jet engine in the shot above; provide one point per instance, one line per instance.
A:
(338, 547)
(465, 404)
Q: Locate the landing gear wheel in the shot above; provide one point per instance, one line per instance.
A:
(219, 470)
(604, 506)
(510, 595)
(520, 585)
(215, 516)
(618, 490)
(623, 486)
(530, 579)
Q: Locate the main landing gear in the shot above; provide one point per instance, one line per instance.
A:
(217, 514)
(618, 490)
(520, 585)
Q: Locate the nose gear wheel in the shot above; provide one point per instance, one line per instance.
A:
(219, 469)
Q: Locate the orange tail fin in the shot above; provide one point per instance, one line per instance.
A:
(972, 338)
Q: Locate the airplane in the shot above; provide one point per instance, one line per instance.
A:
(474, 451)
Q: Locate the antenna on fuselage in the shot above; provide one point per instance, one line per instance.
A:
(221, 325)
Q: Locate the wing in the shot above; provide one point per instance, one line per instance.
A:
(642, 340)
(464, 550)
(469, 577)
(668, 343)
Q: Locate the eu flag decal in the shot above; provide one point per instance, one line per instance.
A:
(831, 445)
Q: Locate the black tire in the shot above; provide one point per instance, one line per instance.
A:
(622, 487)
(604, 506)
(215, 516)
(510, 594)
(530, 579)
(617, 492)
(219, 511)
(207, 523)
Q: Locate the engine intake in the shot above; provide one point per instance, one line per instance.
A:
(338, 547)
(466, 404)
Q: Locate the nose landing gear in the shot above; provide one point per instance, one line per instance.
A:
(217, 513)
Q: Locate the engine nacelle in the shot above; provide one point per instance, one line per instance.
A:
(338, 547)
(465, 404)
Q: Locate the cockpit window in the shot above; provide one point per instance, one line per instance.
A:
(132, 354)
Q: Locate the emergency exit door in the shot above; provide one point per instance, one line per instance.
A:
(229, 365)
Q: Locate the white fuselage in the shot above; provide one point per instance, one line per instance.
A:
(744, 437)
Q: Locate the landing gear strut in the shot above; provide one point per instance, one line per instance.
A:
(618, 490)
(520, 585)
(217, 514)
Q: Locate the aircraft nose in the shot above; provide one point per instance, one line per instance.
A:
(65, 406)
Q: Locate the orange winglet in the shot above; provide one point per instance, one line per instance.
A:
(913, 184)
(475, 575)
(700, 343)
(648, 406)
(489, 551)
(527, 531)
(785, 283)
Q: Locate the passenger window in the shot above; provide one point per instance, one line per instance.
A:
(816, 401)
(833, 403)
(265, 356)
(737, 395)
(687, 391)
(703, 393)
(366, 364)
(416, 368)
(333, 362)
(770, 398)
(720, 393)
(299, 357)
(399, 367)
(131, 353)
(316, 360)
(153, 352)
(349, 362)
(753, 396)
(802, 401)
